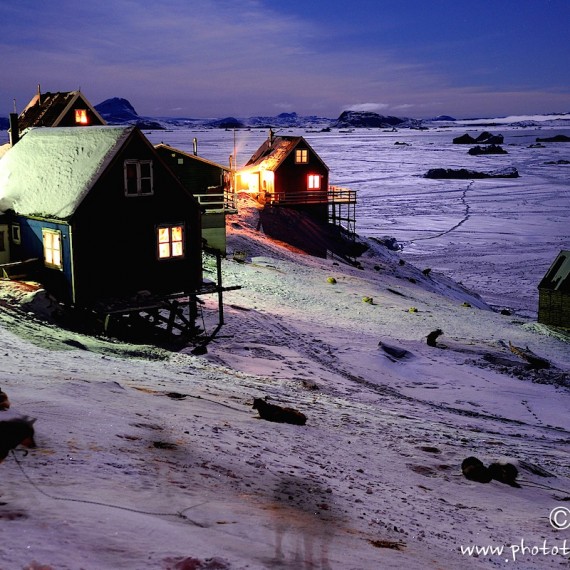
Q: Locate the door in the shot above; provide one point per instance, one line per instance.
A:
(4, 244)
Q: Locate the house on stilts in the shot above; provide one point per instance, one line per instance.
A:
(300, 207)
(104, 224)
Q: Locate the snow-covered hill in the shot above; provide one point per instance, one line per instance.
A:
(152, 459)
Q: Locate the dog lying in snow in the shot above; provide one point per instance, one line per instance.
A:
(505, 473)
(19, 431)
(474, 470)
(274, 413)
(4, 402)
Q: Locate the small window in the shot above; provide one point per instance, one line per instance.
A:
(138, 178)
(81, 117)
(16, 234)
(2, 240)
(302, 156)
(52, 248)
(170, 241)
(314, 182)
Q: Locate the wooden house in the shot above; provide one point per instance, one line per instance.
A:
(554, 293)
(286, 171)
(211, 184)
(103, 214)
(300, 208)
(59, 109)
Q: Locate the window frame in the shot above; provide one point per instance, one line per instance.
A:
(139, 177)
(170, 242)
(51, 264)
(301, 156)
(314, 181)
(16, 234)
(81, 117)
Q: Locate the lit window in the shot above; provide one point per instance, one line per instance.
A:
(314, 182)
(170, 241)
(138, 177)
(302, 156)
(52, 248)
(81, 117)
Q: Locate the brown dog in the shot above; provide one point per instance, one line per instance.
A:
(4, 402)
(274, 413)
(16, 432)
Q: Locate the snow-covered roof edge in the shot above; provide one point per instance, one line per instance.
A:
(50, 171)
(558, 275)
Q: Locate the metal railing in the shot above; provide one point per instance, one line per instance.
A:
(304, 197)
(219, 200)
(339, 195)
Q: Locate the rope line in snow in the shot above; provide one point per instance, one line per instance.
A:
(108, 505)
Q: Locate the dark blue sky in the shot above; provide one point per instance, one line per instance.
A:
(214, 58)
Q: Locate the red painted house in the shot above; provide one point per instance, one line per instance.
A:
(290, 179)
(286, 171)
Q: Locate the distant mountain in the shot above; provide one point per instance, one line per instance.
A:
(117, 111)
(365, 119)
(443, 118)
(226, 123)
(289, 120)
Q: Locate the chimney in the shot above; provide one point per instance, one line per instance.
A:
(195, 146)
(39, 95)
(270, 136)
(14, 129)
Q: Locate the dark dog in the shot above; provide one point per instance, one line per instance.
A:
(504, 473)
(4, 402)
(433, 336)
(16, 432)
(474, 470)
(274, 413)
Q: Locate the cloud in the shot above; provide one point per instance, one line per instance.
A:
(371, 107)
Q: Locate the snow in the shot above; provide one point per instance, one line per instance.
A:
(153, 459)
(56, 168)
(452, 226)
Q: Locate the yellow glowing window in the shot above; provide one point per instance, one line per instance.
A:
(314, 182)
(302, 156)
(81, 117)
(138, 178)
(52, 248)
(170, 242)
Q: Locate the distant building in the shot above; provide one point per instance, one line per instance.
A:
(101, 212)
(554, 293)
(59, 109)
(211, 184)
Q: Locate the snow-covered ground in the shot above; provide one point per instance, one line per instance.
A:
(497, 237)
(149, 459)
